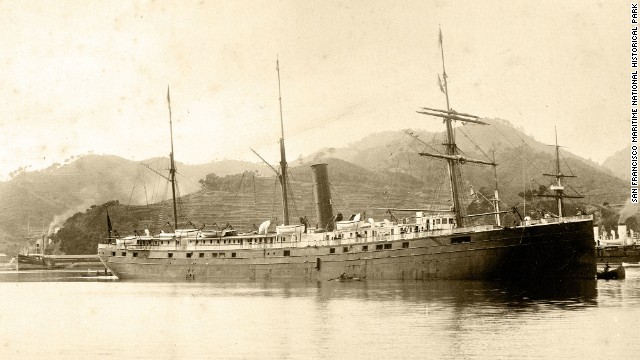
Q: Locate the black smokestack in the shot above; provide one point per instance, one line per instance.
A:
(322, 196)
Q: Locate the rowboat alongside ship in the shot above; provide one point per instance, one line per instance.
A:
(611, 274)
(432, 244)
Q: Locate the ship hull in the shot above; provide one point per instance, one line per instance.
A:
(558, 250)
(33, 262)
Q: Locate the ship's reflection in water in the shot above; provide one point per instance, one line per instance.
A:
(326, 320)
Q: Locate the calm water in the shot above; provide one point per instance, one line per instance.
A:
(63, 315)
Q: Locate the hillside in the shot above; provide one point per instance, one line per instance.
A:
(619, 163)
(245, 201)
(521, 161)
(38, 201)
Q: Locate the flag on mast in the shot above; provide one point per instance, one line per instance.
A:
(440, 84)
(169, 105)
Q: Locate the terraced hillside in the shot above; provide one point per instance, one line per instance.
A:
(354, 190)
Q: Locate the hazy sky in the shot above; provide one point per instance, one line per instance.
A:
(81, 76)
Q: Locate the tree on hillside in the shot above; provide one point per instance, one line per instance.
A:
(211, 182)
(228, 183)
(75, 241)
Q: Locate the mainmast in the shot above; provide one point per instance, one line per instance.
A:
(558, 189)
(283, 157)
(452, 156)
(172, 170)
(452, 165)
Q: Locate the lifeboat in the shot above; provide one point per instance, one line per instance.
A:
(129, 240)
(289, 229)
(210, 234)
(349, 224)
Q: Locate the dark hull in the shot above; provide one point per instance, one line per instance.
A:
(521, 253)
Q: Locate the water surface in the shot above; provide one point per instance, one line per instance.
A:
(66, 315)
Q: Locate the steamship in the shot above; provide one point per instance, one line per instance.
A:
(433, 244)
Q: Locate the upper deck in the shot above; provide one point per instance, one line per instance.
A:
(360, 233)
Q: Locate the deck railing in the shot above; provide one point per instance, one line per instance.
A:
(552, 220)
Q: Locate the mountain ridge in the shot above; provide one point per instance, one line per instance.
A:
(620, 163)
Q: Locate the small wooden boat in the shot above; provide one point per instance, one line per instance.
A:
(611, 274)
(344, 277)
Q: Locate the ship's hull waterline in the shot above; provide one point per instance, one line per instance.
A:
(558, 250)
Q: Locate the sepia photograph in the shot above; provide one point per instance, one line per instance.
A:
(281, 179)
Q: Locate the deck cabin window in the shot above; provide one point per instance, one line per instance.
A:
(201, 255)
(124, 253)
(451, 221)
(189, 255)
(287, 253)
(345, 249)
(170, 255)
(332, 250)
(379, 247)
(135, 254)
(222, 255)
(387, 246)
(233, 254)
(113, 253)
(214, 254)
(365, 247)
(405, 245)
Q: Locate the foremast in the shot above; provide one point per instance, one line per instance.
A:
(453, 158)
(558, 188)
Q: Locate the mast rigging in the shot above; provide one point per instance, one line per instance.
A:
(558, 189)
(451, 155)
